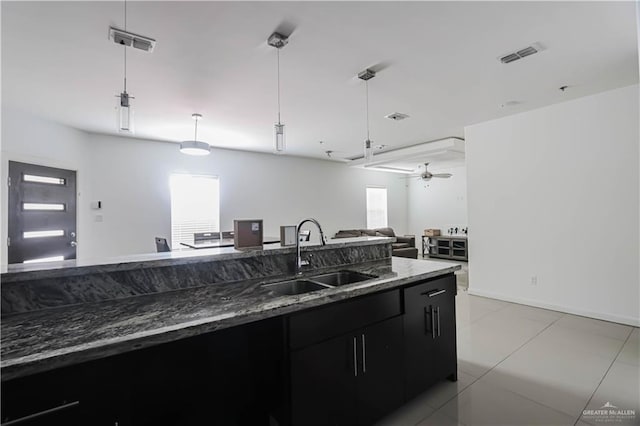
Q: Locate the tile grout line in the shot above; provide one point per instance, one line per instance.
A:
(481, 317)
(471, 375)
(605, 375)
(516, 393)
(488, 371)
(519, 347)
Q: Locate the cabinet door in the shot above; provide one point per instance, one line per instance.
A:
(52, 397)
(428, 348)
(380, 377)
(445, 353)
(323, 381)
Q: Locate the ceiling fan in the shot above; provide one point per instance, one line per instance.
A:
(426, 175)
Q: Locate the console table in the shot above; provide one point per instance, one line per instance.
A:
(453, 247)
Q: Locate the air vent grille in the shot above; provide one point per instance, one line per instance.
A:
(129, 39)
(509, 58)
(527, 51)
(522, 53)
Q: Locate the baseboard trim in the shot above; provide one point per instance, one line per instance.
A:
(635, 322)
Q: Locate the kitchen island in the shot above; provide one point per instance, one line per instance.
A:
(237, 332)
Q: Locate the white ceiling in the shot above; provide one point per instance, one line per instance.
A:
(212, 58)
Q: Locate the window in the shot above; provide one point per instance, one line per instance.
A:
(376, 207)
(195, 206)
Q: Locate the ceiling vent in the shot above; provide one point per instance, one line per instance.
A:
(125, 38)
(396, 116)
(522, 53)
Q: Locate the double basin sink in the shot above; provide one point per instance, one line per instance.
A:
(317, 282)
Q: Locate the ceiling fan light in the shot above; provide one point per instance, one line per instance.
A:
(195, 148)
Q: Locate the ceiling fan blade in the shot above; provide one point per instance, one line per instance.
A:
(442, 175)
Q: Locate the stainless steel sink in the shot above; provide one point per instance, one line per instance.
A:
(294, 287)
(336, 279)
(317, 282)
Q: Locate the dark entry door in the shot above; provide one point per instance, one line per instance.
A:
(42, 213)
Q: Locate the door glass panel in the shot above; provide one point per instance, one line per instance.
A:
(45, 259)
(43, 206)
(43, 179)
(39, 234)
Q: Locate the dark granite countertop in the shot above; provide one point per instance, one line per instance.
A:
(43, 340)
(22, 271)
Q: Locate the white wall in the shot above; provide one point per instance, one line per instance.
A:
(553, 193)
(439, 204)
(131, 178)
(29, 139)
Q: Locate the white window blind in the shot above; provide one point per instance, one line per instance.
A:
(376, 207)
(195, 206)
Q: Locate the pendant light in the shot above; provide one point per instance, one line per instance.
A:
(124, 109)
(195, 147)
(367, 75)
(278, 41)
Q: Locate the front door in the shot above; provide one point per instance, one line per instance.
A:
(42, 213)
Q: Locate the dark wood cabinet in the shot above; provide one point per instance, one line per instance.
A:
(345, 363)
(430, 334)
(356, 377)
(323, 383)
(380, 388)
(200, 380)
(351, 379)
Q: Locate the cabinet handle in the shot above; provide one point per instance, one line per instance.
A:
(433, 293)
(355, 358)
(364, 355)
(433, 323)
(41, 413)
(438, 314)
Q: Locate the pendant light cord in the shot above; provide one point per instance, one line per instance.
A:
(125, 47)
(278, 50)
(195, 137)
(366, 85)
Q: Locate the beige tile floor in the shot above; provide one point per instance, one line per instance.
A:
(520, 365)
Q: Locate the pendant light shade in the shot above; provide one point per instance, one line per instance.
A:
(278, 130)
(368, 150)
(195, 147)
(124, 113)
(278, 41)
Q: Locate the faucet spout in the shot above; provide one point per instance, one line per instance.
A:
(299, 262)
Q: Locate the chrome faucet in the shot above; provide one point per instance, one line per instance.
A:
(299, 262)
